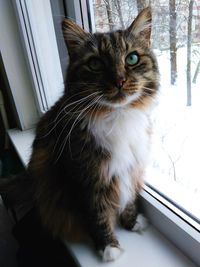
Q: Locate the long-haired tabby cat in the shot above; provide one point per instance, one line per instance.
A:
(91, 147)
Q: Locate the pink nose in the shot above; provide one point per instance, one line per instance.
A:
(120, 81)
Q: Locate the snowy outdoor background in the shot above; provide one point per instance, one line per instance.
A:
(176, 135)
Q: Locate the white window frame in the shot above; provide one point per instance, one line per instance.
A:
(45, 75)
(15, 66)
(165, 217)
(38, 35)
(81, 12)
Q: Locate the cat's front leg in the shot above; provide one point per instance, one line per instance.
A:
(101, 231)
(131, 220)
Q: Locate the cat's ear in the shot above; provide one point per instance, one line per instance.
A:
(74, 35)
(141, 26)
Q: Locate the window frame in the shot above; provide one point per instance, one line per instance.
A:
(41, 50)
(178, 231)
(163, 216)
(81, 12)
(15, 66)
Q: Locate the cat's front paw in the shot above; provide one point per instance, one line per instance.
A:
(111, 253)
(141, 224)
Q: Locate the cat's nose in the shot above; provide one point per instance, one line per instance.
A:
(120, 81)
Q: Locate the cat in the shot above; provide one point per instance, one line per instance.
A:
(91, 148)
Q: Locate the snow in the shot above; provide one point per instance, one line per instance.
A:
(174, 168)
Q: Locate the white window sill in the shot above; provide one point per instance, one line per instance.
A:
(22, 142)
(150, 249)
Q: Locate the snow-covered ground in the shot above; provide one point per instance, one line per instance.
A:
(175, 164)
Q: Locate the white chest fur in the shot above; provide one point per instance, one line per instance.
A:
(124, 134)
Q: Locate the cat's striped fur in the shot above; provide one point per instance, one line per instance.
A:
(91, 147)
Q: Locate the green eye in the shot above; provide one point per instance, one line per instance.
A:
(132, 59)
(95, 64)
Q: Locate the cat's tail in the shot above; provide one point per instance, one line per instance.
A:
(17, 190)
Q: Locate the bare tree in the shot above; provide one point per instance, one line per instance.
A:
(172, 40)
(196, 72)
(189, 49)
(117, 4)
(109, 14)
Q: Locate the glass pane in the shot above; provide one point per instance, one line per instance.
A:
(174, 168)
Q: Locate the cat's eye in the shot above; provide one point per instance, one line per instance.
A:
(95, 64)
(132, 59)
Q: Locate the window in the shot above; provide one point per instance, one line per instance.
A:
(173, 175)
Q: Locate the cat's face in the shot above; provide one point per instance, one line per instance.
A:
(116, 68)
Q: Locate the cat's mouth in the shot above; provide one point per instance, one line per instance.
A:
(121, 99)
(119, 96)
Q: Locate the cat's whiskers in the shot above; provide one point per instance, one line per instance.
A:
(91, 117)
(72, 103)
(78, 102)
(149, 89)
(144, 93)
(94, 111)
(79, 107)
(86, 91)
(79, 117)
(63, 106)
(62, 146)
(144, 81)
(82, 103)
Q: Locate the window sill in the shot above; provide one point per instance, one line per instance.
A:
(149, 249)
(22, 142)
(146, 250)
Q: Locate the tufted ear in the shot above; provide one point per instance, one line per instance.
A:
(142, 24)
(74, 35)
